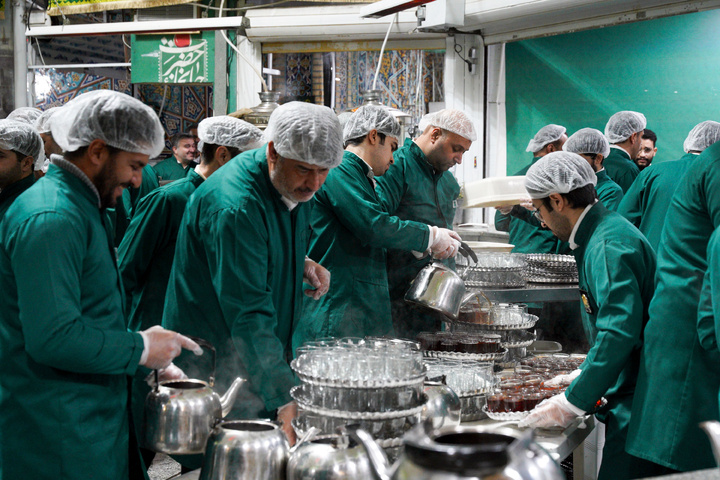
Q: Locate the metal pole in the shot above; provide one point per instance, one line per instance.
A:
(19, 55)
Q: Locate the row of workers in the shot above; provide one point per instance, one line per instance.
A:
(239, 264)
(651, 323)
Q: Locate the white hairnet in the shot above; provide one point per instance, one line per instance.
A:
(42, 124)
(588, 140)
(118, 119)
(558, 172)
(623, 124)
(23, 138)
(227, 131)
(371, 117)
(453, 121)
(702, 136)
(343, 118)
(547, 134)
(307, 133)
(25, 114)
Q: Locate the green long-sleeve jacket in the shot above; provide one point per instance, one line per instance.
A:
(170, 169)
(647, 201)
(351, 230)
(620, 168)
(65, 356)
(709, 308)
(146, 253)
(412, 190)
(678, 378)
(616, 268)
(131, 196)
(237, 281)
(608, 192)
(528, 236)
(11, 192)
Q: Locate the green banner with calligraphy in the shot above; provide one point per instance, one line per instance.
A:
(2, 9)
(173, 58)
(68, 7)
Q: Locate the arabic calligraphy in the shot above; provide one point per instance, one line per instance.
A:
(187, 64)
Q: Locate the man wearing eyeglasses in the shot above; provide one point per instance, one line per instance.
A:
(616, 268)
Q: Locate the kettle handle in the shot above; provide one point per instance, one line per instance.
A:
(209, 346)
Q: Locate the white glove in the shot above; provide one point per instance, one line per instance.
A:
(161, 346)
(317, 276)
(445, 243)
(505, 210)
(563, 380)
(556, 411)
(171, 372)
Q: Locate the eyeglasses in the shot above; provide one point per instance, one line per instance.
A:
(537, 215)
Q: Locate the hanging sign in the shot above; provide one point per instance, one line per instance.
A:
(67, 7)
(169, 58)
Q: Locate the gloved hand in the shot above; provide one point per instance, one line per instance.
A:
(317, 276)
(171, 372)
(161, 346)
(445, 243)
(505, 209)
(556, 411)
(564, 379)
(285, 415)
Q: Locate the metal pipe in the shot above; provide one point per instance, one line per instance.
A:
(81, 65)
(19, 54)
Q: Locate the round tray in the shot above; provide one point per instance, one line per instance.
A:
(327, 382)
(326, 412)
(482, 357)
(526, 343)
(540, 279)
(532, 320)
(505, 416)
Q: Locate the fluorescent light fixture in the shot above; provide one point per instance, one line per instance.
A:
(388, 7)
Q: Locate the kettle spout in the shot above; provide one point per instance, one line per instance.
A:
(228, 400)
(378, 459)
(713, 431)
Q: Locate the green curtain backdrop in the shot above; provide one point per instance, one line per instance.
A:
(668, 69)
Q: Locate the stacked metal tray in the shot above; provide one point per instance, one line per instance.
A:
(550, 268)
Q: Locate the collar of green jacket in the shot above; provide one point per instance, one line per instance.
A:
(419, 156)
(20, 185)
(589, 224)
(367, 171)
(72, 170)
(620, 151)
(602, 176)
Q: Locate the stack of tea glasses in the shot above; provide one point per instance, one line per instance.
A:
(496, 270)
(374, 382)
(471, 380)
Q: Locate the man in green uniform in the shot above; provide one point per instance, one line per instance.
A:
(20, 148)
(180, 162)
(42, 125)
(351, 230)
(678, 377)
(646, 203)
(529, 237)
(146, 253)
(648, 149)
(616, 268)
(592, 145)
(240, 257)
(64, 360)
(624, 132)
(420, 188)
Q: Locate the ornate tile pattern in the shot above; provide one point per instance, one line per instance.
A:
(184, 106)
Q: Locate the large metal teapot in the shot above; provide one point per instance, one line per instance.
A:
(180, 414)
(464, 453)
(439, 288)
(329, 457)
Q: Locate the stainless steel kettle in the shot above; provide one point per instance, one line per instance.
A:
(464, 453)
(180, 414)
(329, 457)
(439, 288)
(246, 450)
